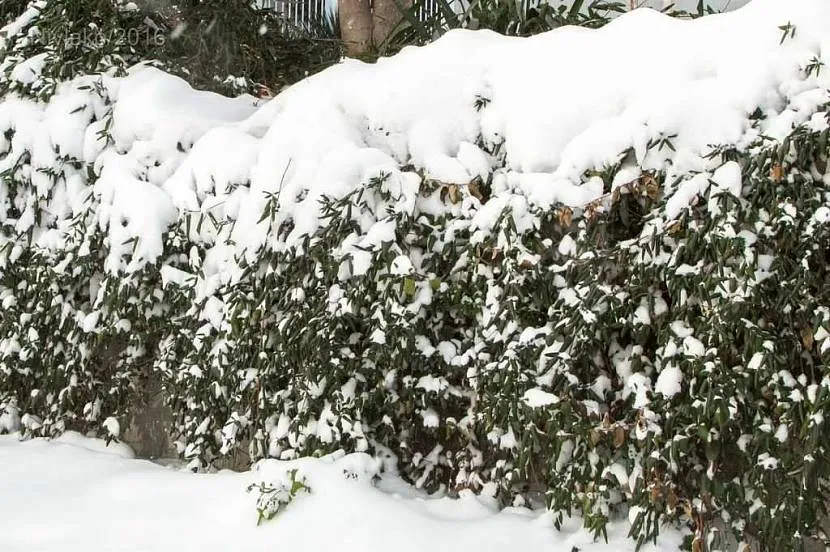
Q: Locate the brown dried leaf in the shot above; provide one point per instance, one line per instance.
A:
(671, 500)
(263, 92)
(590, 212)
(527, 264)
(565, 215)
(454, 193)
(807, 338)
(475, 189)
(606, 421)
(619, 437)
(656, 493)
(776, 173)
(674, 227)
(650, 187)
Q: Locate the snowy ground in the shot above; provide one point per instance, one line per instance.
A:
(76, 494)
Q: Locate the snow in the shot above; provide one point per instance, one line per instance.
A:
(112, 426)
(693, 347)
(669, 381)
(180, 155)
(536, 398)
(756, 361)
(9, 417)
(74, 494)
(767, 461)
(156, 117)
(16, 26)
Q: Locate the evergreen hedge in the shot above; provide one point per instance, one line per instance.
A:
(606, 359)
(731, 298)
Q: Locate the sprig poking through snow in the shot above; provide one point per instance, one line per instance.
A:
(273, 499)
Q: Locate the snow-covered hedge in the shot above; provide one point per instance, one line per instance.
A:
(537, 268)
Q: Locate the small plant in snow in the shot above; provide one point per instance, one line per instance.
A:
(273, 499)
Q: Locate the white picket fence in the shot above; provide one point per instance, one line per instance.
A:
(305, 13)
(301, 13)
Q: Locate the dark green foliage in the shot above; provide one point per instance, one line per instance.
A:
(521, 18)
(228, 47)
(12, 9)
(511, 18)
(71, 38)
(215, 38)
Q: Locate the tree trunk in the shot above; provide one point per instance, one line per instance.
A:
(355, 25)
(386, 16)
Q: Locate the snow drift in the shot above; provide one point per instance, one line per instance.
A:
(92, 497)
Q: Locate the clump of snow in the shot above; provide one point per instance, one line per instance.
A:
(112, 426)
(669, 381)
(86, 444)
(353, 506)
(537, 398)
(9, 417)
(31, 422)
